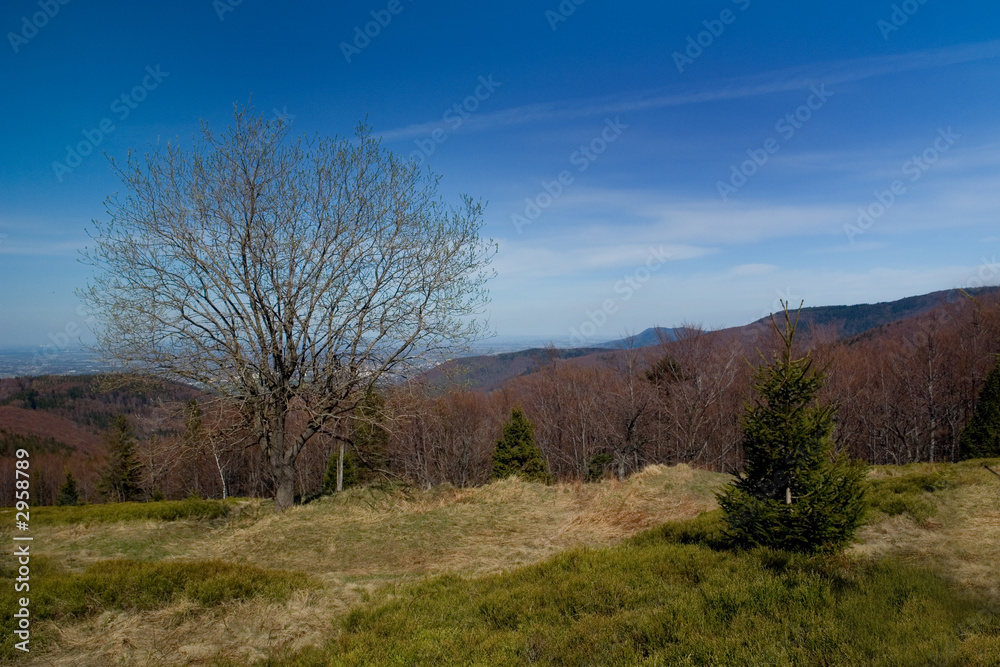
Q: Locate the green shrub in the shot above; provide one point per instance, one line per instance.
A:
(707, 529)
(596, 466)
(981, 436)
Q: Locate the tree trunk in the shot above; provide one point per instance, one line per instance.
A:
(340, 469)
(222, 475)
(284, 485)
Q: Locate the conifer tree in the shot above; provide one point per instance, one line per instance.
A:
(516, 452)
(120, 480)
(981, 436)
(369, 437)
(350, 472)
(793, 494)
(68, 493)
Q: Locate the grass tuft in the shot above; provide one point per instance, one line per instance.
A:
(60, 594)
(168, 510)
(911, 493)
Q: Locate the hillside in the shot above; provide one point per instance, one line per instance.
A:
(492, 575)
(75, 409)
(488, 372)
(651, 336)
(848, 321)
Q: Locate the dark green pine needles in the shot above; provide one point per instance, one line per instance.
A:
(516, 452)
(981, 436)
(794, 493)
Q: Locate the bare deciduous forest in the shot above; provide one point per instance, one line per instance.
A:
(904, 392)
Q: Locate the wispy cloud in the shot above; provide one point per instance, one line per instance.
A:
(778, 81)
(560, 260)
(11, 245)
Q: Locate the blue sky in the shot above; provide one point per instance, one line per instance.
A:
(644, 164)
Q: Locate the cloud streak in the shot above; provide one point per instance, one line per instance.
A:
(768, 83)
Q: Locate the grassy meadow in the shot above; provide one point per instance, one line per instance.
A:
(616, 573)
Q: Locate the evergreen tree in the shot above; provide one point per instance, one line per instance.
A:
(369, 437)
(596, 466)
(981, 436)
(794, 494)
(351, 476)
(516, 452)
(68, 493)
(120, 480)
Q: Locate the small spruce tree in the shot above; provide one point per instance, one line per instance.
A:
(68, 493)
(981, 436)
(351, 476)
(516, 452)
(596, 466)
(369, 437)
(793, 494)
(121, 478)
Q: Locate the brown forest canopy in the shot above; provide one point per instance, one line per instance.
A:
(905, 392)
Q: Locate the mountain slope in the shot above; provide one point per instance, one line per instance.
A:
(488, 372)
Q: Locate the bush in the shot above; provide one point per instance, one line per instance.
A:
(910, 493)
(68, 495)
(596, 466)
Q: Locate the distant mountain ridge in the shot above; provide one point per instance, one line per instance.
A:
(487, 372)
(849, 321)
(651, 336)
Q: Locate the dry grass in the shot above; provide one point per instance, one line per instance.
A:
(961, 540)
(354, 544)
(367, 540)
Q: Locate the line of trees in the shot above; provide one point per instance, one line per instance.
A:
(904, 394)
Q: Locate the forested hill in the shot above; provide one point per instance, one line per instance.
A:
(848, 321)
(488, 372)
(73, 410)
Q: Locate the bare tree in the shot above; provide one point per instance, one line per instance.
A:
(289, 277)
